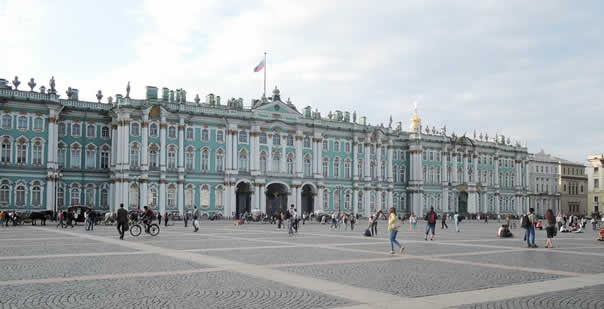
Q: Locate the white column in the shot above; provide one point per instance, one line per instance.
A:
(144, 196)
(235, 152)
(366, 203)
(367, 161)
(389, 203)
(254, 198)
(497, 173)
(378, 170)
(181, 166)
(464, 177)
(262, 195)
(444, 170)
(298, 144)
(162, 164)
(228, 151)
(114, 147)
(319, 204)
(355, 201)
(497, 204)
(389, 167)
(378, 199)
(475, 168)
(181, 196)
(454, 168)
(283, 161)
(299, 200)
(355, 160)
(145, 142)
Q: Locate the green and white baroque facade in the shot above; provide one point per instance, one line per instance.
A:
(172, 154)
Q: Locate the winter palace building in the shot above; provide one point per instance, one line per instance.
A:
(173, 154)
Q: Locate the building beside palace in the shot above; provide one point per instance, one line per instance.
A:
(543, 183)
(595, 185)
(171, 154)
(573, 186)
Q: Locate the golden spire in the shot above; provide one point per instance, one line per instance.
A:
(416, 122)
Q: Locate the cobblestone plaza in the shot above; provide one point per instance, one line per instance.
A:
(257, 266)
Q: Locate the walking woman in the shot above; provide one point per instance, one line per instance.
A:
(393, 226)
(413, 222)
(550, 228)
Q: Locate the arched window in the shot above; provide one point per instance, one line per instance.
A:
(307, 166)
(336, 200)
(76, 156)
(75, 196)
(134, 155)
(262, 138)
(290, 140)
(243, 161)
(290, 164)
(75, 129)
(276, 161)
(325, 167)
(219, 192)
(336, 168)
(21, 152)
(336, 146)
(4, 193)
(372, 201)
(263, 162)
(205, 196)
(153, 198)
(219, 161)
(22, 123)
(347, 199)
(325, 145)
(219, 136)
(105, 152)
(360, 168)
(91, 157)
(347, 147)
(134, 129)
(171, 196)
(38, 124)
(276, 139)
(242, 136)
(189, 133)
(189, 197)
(104, 198)
(189, 158)
(172, 132)
(153, 130)
(325, 199)
(20, 200)
(133, 196)
(61, 129)
(306, 142)
(37, 153)
(36, 196)
(205, 135)
(7, 122)
(172, 157)
(347, 169)
(205, 160)
(153, 157)
(90, 196)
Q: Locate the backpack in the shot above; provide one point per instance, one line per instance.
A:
(524, 222)
(432, 218)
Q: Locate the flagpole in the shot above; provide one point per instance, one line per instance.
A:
(264, 74)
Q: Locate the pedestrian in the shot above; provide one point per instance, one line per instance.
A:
(528, 223)
(186, 218)
(60, 217)
(413, 222)
(443, 222)
(166, 219)
(159, 218)
(70, 218)
(353, 220)
(486, 218)
(280, 220)
(430, 223)
(393, 226)
(292, 218)
(122, 221)
(374, 226)
(594, 223)
(550, 228)
(456, 219)
(196, 219)
(91, 220)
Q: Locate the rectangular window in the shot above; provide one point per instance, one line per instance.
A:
(347, 149)
(262, 138)
(596, 183)
(90, 131)
(205, 135)
(22, 123)
(336, 146)
(21, 153)
(189, 160)
(61, 157)
(242, 137)
(75, 158)
(189, 134)
(37, 155)
(276, 139)
(105, 132)
(38, 124)
(90, 159)
(220, 137)
(104, 159)
(171, 159)
(325, 145)
(290, 140)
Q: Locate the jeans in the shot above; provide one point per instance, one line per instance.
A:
(457, 226)
(530, 235)
(120, 229)
(374, 229)
(90, 226)
(430, 227)
(393, 239)
(290, 227)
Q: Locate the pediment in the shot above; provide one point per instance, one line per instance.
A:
(278, 107)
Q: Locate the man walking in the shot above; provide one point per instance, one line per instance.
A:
(456, 219)
(165, 219)
(122, 221)
(195, 219)
(292, 217)
(443, 222)
(186, 218)
(430, 223)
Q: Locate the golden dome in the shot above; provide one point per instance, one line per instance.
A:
(416, 122)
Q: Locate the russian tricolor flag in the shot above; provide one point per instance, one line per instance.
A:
(260, 66)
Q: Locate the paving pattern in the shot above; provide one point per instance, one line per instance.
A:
(259, 266)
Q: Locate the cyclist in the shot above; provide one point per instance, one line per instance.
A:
(148, 217)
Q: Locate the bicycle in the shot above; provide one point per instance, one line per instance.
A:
(136, 229)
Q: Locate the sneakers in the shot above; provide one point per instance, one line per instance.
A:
(402, 250)
(391, 251)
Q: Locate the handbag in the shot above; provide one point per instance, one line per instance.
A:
(126, 228)
(396, 225)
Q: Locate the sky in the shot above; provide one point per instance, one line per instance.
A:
(532, 71)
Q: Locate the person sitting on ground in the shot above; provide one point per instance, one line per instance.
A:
(504, 231)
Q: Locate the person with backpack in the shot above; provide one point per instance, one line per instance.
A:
(430, 223)
(528, 223)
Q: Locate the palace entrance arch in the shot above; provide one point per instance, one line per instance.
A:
(308, 199)
(462, 202)
(276, 198)
(243, 199)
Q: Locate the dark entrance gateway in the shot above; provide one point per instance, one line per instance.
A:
(276, 198)
(243, 197)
